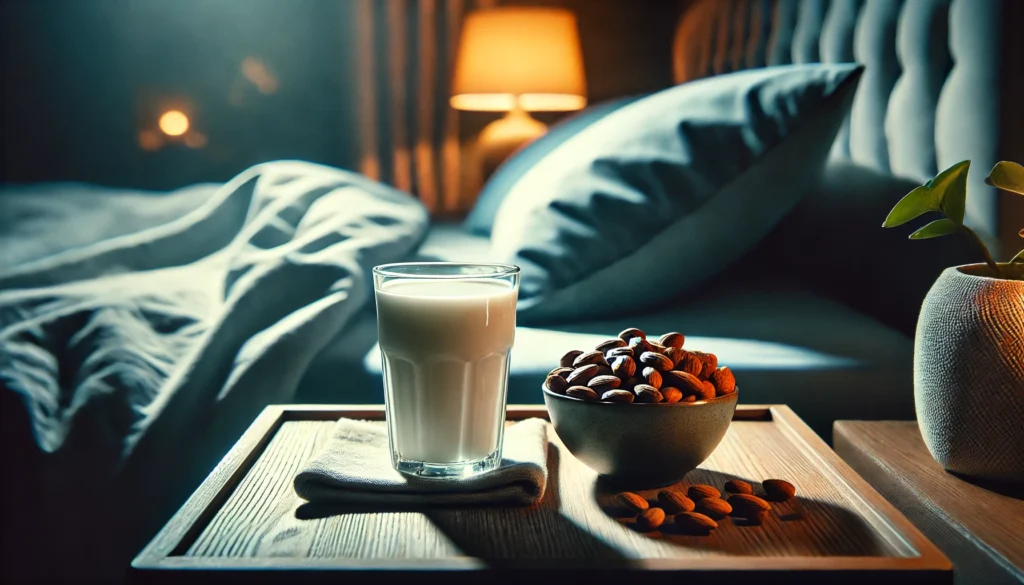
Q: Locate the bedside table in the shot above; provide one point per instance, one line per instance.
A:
(979, 526)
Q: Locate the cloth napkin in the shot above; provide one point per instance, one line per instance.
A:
(355, 467)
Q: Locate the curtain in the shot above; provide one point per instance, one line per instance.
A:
(408, 135)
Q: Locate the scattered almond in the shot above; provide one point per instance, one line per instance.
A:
(695, 523)
(646, 394)
(623, 367)
(674, 502)
(650, 519)
(716, 508)
(656, 361)
(633, 502)
(701, 491)
(738, 486)
(747, 505)
(778, 490)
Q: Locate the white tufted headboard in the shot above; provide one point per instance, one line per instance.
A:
(930, 94)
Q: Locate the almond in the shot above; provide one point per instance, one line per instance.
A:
(632, 502)
(617, 396)
(560, 371)
(673, 339)
(723, 380)
(569, 358)
(716, 508)
(650, 519)
(590, 357)
(624, 367)
(690, 398)
(581, 392)
(556, 384)
(707, 390)
(647, 394)
(628, 334)
(778, 490)
(687, 383)
(657, 347)
(747, 505)
(675, 354)
(609, 344)
(651, 377)
(671, 395)
(638, 345)
(695, 523)
(604, 371)
(690, 364)
(618, 352)
(709, 362)
(656, 361)
(738, 486)
(674, 502)
(701, 491)
(602, 384)
(581, 376)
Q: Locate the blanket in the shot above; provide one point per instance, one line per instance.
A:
(117, 347)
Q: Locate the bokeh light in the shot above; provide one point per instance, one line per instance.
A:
(173, 123)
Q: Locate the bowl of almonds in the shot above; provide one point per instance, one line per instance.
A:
(641, 411)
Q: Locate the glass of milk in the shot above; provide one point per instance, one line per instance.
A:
(445, 333)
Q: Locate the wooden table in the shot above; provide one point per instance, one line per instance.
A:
(246, 521)
(979, 526)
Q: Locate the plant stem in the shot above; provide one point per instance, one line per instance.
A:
(984, 250)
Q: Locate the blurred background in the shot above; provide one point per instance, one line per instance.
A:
(86, 83)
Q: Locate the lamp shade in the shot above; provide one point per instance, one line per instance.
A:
(532, 54)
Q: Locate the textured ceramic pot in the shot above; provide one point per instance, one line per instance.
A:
(969, 372)
(640, 445)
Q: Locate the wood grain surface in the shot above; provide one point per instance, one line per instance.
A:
(247, 517)
(980, 526)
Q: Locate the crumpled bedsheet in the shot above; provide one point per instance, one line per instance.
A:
(136, 342)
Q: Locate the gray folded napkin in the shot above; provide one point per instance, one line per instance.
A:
(355, 467)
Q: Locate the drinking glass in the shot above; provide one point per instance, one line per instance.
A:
(445, 332)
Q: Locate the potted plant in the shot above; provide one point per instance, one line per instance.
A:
(969, 346)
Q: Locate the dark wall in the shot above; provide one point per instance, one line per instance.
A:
(82, 79)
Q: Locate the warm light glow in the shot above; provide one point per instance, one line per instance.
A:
(150, 140)
(530, 53)
(195, 139)
(173, 123)
(258, 74)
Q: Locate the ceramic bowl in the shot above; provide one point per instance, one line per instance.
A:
(640, 445)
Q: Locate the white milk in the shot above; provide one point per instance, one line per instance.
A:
(445, 346)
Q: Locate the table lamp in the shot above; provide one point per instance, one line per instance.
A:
(517, 60)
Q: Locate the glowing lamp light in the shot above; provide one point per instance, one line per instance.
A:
(173, 123)
(517, 60)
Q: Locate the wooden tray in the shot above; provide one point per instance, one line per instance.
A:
(246, 521)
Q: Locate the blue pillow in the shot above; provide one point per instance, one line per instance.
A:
(657, 196)
(481, 219)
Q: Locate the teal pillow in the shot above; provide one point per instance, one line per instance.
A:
(481, 219)
(657, 196)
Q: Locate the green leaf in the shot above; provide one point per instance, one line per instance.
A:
(947, 192)
(952, 183)
(939, 227)
(1008, 176)
(914, 204)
